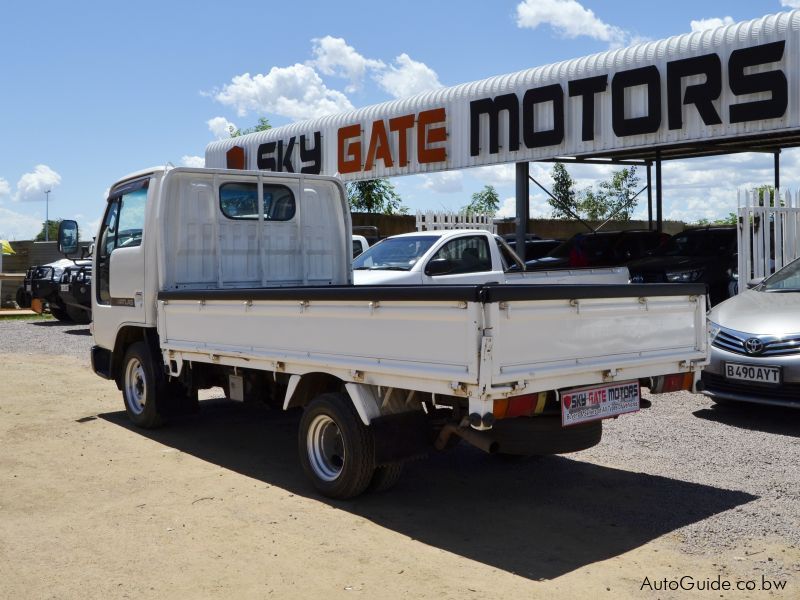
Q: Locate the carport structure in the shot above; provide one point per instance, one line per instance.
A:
(724, 90)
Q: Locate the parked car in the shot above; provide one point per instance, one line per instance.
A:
(76, 292)
(42, 290)
(697, 255)
(360, 244)
(600, 249)
(754, 341)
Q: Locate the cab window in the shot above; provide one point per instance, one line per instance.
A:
(466, 255)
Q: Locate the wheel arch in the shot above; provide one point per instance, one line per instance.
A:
(127, 335)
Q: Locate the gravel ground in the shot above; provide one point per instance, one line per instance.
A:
(715, 476)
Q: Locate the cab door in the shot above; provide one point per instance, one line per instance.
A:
(120, 261)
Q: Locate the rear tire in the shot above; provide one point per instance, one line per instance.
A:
(81, 317)
(61, 314)
(385, 477)
(143, 387)
(337, 452)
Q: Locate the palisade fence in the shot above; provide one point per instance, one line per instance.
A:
(433, 221)
(768, 233)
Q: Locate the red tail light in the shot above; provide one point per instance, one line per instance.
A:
(577, 258)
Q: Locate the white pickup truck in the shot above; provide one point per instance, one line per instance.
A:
(461, 256)
(243, 279)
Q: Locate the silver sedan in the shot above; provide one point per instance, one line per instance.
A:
(755, 343)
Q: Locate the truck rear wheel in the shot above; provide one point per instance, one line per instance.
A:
(336, 449)
(142, 388)
(60, 314)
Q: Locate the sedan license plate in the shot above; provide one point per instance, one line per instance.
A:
(28, 287)
(64, 287)
(598, 402)
(754, 373)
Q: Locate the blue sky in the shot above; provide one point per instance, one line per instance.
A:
(95, 90)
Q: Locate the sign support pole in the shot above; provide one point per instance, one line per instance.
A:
(523, 212)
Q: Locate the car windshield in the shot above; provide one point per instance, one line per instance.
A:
(394, 254)
(702, 242)
(785, 280)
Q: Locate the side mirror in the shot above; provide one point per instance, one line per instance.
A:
(439, 266)
(755, 282)
(68, 237)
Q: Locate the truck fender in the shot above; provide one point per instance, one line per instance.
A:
(362, 397)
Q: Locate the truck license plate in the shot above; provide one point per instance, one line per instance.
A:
(64, 287)
(598, 402)
(753, 373)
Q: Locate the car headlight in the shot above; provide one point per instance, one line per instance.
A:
(684, 276)
(713, 331)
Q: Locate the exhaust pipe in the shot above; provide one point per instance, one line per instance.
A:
(478, 439)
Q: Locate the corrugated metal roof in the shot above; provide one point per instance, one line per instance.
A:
(694, 138)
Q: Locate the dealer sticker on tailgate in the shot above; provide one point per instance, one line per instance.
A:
(599, 402)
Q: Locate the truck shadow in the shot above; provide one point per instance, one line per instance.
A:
(538, 518)
(757, 417)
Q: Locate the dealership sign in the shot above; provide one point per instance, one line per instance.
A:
(721, 84)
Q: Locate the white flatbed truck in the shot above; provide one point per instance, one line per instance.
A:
(243, 279)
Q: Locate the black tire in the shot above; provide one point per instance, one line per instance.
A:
(385, 477)
(337, 452)
(60, 313)
(143, 387)
(23, 298)
(537, 436)
(81, 317)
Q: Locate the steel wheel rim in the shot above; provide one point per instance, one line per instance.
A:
(325, 448)
(135, 386)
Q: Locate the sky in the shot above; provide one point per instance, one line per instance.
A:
(96, 90)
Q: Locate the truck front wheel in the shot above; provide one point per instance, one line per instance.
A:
(336, 449)
(142, 389)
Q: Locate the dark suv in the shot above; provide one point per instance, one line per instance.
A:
(702, 255)
(600, 249)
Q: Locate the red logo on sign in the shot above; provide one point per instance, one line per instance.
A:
(567, 401)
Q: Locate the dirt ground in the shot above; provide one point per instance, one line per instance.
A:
(215, 506)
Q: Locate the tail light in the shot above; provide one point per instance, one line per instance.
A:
(671, 383)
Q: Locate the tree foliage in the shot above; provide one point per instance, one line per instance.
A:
(487, 201)
(614, 198)
(565, 205)
(262, 125)
(52, 230)
(375, 196)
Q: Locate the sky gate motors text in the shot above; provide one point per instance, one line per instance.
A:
(741, 81)
(421, 137)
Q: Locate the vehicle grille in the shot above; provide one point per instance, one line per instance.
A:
(733, 341)
(784, 391)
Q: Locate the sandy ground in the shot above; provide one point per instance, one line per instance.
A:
(215, 506)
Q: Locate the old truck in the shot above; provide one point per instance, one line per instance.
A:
(243, 279)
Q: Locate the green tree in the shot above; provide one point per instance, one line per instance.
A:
(487, 201)
(615, 199)
(262, 125)
(564, 205)
(52, 230)
(375, 196)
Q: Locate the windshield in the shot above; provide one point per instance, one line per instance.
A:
(702, 242)
(785, 280)
(395, 254)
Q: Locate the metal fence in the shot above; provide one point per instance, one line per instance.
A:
(433, 221)
(769, 224)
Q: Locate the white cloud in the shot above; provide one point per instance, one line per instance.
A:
(5, 188)
(221, 127)
(193, 161)
(712, 23)
(296, 92)
(32, 186)
(334, 57)
(17, 226)
(568, 18)
(446, 182)
(407, 77)
(790, 3)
